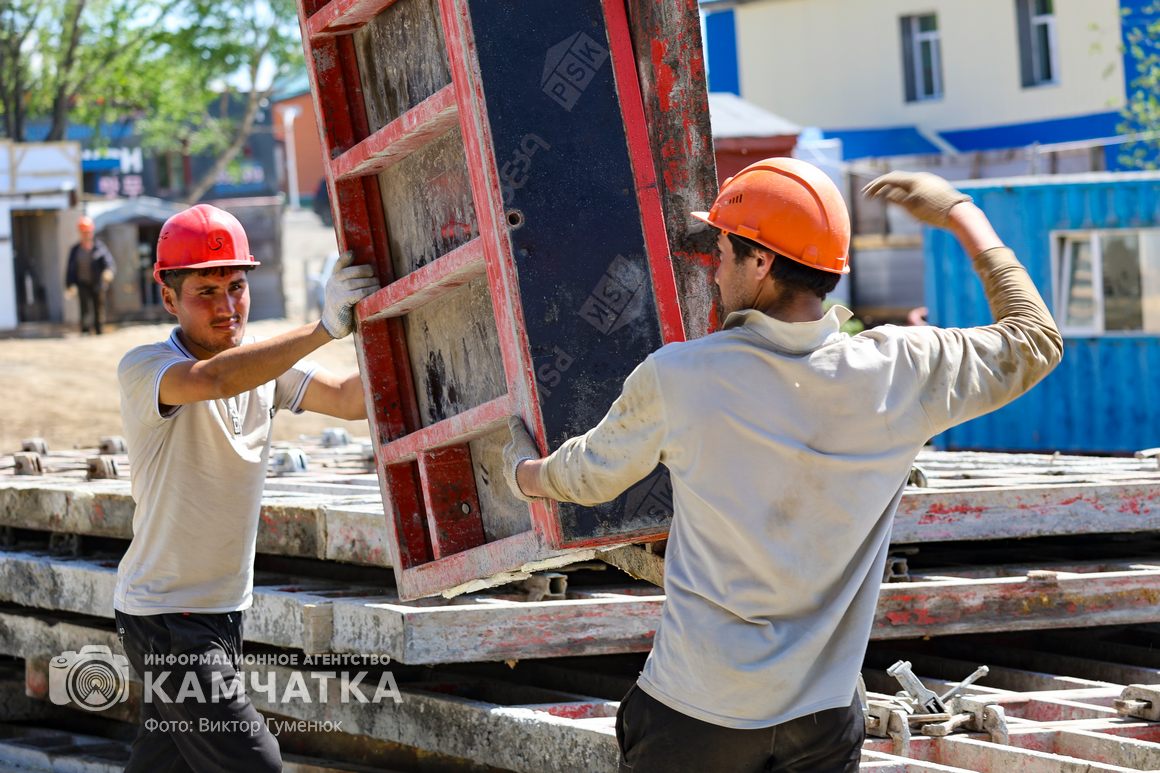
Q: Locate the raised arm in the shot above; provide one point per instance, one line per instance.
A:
(239, 369)
(970, 371)
(242, 368)
(601, 464)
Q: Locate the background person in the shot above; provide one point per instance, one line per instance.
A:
(89, 274)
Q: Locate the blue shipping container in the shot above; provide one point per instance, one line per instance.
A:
(1099, 398)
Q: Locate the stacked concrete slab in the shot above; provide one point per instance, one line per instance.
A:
(322, 588)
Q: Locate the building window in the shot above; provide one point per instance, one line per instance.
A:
(1108, 281)
(1037, 41)
(921, 57)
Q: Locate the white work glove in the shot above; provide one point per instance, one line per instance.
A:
(519, 449)
(346, 287)
(927, 197)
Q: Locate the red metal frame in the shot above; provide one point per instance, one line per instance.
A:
(341, 16)
(502, 278)
(398, 139)
(433, 511)
(640, 154)
(426, 284)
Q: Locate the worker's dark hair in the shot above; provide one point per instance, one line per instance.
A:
(787, 271)
(174, 278)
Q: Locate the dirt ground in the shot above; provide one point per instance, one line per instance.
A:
(64, 388)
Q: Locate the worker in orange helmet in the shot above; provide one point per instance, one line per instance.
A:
(788, 443)
(89, 274)
(197, 411)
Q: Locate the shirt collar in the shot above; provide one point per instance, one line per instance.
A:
(791, 336)
(176, 343)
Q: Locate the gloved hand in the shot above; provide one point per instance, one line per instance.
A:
(347, 286)
(521, 448)
(925, 196)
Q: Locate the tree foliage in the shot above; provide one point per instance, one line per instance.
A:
(164, 64)
(1141, 112)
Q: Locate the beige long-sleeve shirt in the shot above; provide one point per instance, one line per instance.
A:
(789, 445)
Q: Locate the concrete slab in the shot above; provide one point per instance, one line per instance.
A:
(524, 727)
(318, 615)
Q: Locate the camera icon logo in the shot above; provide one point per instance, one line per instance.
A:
(93, 679)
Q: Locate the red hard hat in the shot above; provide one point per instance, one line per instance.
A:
(85, 223)
(790, 207)
(202, 237)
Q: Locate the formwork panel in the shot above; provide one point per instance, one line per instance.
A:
(455, 356)
(427, 204)
(524, 257)
(559, 131)
(503, 514)
(402, 59)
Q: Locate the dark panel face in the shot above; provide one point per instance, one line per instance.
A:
(571, 204)
(402, 59)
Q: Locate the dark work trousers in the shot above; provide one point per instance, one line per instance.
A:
(92, 298)
(653, 737)
(201, 736)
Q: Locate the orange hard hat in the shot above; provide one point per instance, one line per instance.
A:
(790, 207)
(202, 237)
(86, 224)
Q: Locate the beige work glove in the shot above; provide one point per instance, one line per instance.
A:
(519, 449)
(346, 287)
(927, 197)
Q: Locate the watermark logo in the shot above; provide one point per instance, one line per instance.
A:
(652, 498)
(170, 679)
(617, 298)
(513, 175)
(570, 66)
(550, 373)
(93, 679)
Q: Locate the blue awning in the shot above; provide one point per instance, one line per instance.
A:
(100, 164)
(1076, 128)
(872, 143)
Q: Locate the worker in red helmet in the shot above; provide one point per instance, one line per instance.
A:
(89, 274)
(197, 412)
(788, 443)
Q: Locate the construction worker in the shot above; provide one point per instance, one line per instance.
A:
(789, 444)
(89, 273)
(197, 412)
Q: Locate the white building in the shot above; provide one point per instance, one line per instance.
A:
(38, 187)
(910, 77)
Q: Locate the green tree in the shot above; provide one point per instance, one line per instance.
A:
(228, 53)
(18, 20)
(169, 65)
(1141, 113)
(55, 55)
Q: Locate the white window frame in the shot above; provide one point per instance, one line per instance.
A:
(1148, 239)
(1061, 258)
(1038, 57)
(917, 39)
